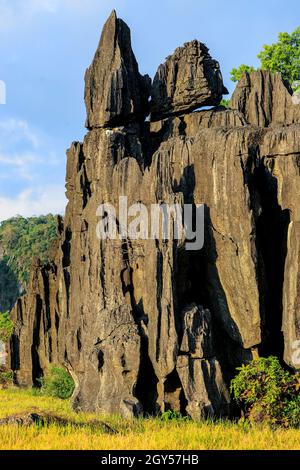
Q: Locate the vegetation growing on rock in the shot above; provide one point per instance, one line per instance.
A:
(283, 56)
(236, 74)
(6, 327)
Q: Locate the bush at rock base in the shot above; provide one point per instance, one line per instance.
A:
(6, 378)
(173, 416)
(268, 393)
(57, 383)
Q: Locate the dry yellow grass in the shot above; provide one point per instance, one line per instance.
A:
(150, 434)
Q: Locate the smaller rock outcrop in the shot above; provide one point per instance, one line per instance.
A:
(42, 419)
(199, 371)
(115, 92)
(197, 339)
(265, 99)
(189, 78)
(204, 387)
(34, 342)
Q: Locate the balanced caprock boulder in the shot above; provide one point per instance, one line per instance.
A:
(189, 79)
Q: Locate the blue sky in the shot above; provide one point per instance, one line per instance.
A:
(46, 45)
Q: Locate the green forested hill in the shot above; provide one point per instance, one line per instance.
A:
(22, 240)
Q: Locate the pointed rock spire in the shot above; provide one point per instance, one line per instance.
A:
(115, 92)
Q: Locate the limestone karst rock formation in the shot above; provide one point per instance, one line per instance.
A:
(146, 325)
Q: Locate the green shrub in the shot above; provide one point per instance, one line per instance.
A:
(6, 378)
(225, 103)
(173, 416)
(57, 383)
(237, 73)
(6, 327)
(282, 56)
(268, 393)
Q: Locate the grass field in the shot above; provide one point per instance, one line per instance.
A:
(140, 434)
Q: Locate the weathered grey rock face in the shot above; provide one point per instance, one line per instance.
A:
(197, 338)
(115, 92)
(281, 154)
(188, 79)
(265, 99)
(34, 343)
(3, 354)
(227, 158)
(145, 325)
(291, 297)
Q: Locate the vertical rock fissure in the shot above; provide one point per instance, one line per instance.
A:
(146, 387)
(271, 227)
(47, 318)
(159, 268)
(37, 371)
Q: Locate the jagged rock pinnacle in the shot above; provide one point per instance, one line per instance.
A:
(115, 92)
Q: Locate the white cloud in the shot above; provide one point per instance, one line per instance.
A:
(50, 6)
(19, 12)
(27, 158)
(19, 128)
(24, 150)
(19, 165)
(34, 201)
(18, 160)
